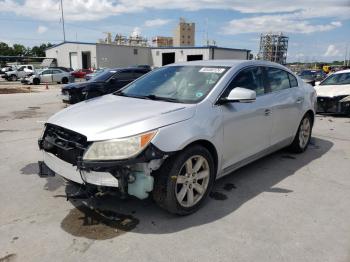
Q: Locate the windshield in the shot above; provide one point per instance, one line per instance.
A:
(306, 74)
(182, 84)
(103, 75)
(337, 79)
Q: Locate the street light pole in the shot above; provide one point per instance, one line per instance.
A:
(64, 32)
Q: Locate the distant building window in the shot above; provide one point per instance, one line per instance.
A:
(183, 42)
(135, 51)
(188, 36)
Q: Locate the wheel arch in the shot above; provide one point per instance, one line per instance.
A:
(312, 115)
(210, 147)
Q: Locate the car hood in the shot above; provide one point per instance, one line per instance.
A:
(112, 116)
(332, 90)
(75, 86)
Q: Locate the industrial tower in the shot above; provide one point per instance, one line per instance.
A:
(273, 47)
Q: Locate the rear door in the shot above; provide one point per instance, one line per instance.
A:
(287, 100)
(56, 75)
(46, 76)
(247, 126)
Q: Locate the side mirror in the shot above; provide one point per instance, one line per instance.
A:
(239, 95)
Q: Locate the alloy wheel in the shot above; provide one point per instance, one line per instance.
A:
(304, 132)
(192, 181)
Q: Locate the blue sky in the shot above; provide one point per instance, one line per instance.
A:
(318, 30)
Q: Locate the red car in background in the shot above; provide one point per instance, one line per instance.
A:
(81, 73)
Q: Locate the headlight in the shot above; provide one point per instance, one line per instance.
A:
(117, 149)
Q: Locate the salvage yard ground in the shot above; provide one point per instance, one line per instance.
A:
(284, 207)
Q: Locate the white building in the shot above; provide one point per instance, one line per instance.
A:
(167, 55)
(96, 55)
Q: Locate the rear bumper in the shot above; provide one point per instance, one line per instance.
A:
(70, 172)
(338, 105)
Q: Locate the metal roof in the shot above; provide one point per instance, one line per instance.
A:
(70, 42)
(201, 47)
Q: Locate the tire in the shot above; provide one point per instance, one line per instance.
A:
(172, 184)
(303, 135)
(64, 80)
(36, 81)
(12, 78)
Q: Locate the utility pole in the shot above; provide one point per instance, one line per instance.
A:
(64, 32)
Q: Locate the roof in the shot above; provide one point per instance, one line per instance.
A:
(70, 42)
(342, 71)
(202, 47)
(231, 63)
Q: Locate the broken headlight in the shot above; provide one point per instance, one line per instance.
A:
(117, 149)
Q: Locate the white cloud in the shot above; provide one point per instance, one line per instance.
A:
(84, 10)
(41, 29)
(332, 51)
(289, 23)
(136, 32)
(157, 22)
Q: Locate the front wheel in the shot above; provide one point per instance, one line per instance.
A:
(303, 136)
(184, 180)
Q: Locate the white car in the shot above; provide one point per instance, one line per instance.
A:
(333, 93)
(48, 76)
(18, 73)
(175, 130)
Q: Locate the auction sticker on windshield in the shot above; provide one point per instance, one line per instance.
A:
(212, 70)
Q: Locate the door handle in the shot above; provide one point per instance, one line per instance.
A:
(300, 100)
(267, 112)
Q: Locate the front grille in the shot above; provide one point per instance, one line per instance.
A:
(64, 143)
(329, 104)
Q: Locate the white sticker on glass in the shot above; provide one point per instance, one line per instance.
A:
(212, 70)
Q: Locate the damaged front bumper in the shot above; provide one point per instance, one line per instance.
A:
(337, 104)
(63, 151)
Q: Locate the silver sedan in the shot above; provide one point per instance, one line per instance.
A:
(175, 130)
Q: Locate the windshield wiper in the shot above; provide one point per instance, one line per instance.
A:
(161, 98)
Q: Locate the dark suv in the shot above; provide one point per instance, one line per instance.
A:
(104, 83)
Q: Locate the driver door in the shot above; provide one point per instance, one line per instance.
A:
(46, 76)
(247, 126)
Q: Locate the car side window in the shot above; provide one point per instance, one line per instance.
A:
(277, 79)
(250, 78)
(125, 75)
(293, 81)
(46, 72)
(56, 72)
(139, 73)
(29, 67)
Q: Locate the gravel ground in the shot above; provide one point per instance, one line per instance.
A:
(284, 207)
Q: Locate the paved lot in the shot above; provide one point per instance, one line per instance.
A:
(284, 207)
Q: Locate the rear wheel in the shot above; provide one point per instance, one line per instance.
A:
(303, 136)
(36, 81)
(64, 80)
(13, 78)
(184, 181)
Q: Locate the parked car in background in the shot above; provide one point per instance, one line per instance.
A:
(6, 69)
(176, 130)
(95, 73)
(20, 72)
(333, 93)
(312, 76)
(105, 83)
(81, 73)
(49, 76)
(66, 69)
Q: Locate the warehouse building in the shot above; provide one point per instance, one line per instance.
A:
(168, 55)
(79, 55)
